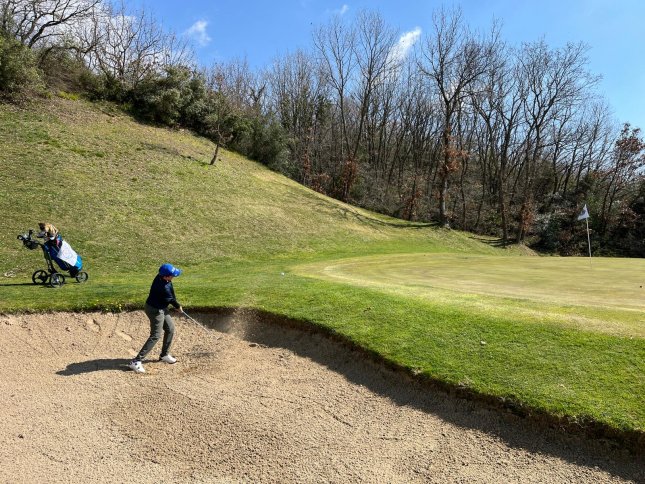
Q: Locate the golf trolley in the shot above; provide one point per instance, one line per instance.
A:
(50, 276)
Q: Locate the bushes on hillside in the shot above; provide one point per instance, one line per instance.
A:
(174, 97)
(261, 138)
(18, 71)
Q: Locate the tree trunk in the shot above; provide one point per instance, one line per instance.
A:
(214, 159)
(443, 195)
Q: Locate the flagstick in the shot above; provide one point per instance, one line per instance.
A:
(588, 240)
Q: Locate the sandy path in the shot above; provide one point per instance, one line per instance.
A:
(253, 402)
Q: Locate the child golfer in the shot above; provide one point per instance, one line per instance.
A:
(161, 295)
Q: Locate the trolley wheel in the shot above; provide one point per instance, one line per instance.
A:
(40, 277)
(81, 277)
(57, 280)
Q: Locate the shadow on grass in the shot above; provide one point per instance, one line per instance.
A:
(402, 224)
(95, 365)
(499, 243)
(536, 435)
(22, 284)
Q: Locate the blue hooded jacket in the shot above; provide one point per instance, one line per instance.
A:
(162, 294)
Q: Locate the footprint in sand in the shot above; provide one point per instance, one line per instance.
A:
(124, 336)
(92, 325)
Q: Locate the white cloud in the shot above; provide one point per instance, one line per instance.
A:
(405, 43)
(198, 32)
(342, 10)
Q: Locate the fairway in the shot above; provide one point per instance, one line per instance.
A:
(604, 294)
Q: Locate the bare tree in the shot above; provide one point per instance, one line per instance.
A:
(414, 127)
(357, 61)
(335, 46)
(43, 22)
(241, 86)
(597, 134)
(376, 66)
(554, 81)
(131, 46)
(498, 102)
(219, 110)
(297, 96)
(453, 60)
(234, 92)
(336, 54)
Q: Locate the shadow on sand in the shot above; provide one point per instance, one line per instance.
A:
(95, 365)
(534, 435)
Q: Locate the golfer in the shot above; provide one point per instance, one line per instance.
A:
(161, 295)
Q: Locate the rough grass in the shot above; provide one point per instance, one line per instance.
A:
(129, 196)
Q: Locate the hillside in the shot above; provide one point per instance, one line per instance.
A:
(128, 195)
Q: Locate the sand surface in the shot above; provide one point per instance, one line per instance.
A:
(251, 401)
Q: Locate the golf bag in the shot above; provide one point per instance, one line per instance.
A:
(59, 251)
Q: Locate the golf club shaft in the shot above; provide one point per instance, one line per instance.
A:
(194, 320)
(185, 314)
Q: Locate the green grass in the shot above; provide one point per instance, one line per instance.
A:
(550, 334)
(603, 294)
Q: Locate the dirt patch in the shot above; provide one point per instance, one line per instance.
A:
(253, 401)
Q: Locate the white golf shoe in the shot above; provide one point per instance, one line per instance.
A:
(168, 359)
(136, 366)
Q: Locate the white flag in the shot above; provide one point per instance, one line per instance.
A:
(584, 214)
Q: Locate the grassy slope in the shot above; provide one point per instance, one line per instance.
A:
(130, 196)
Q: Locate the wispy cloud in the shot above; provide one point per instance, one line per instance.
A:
(405, 43)
(342, 10)
(198, 32)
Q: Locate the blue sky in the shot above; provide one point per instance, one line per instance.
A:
(260, 30)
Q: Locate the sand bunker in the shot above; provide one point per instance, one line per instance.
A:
(256, 402)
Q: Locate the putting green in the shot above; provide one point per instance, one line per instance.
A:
(606, 294)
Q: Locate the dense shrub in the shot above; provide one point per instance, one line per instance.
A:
(269, 145)
(175, 97)
(19, 74)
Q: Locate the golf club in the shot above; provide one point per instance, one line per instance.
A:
(194, 320)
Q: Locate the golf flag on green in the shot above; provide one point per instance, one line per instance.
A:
(584, 215)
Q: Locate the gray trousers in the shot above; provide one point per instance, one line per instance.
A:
(159, 320)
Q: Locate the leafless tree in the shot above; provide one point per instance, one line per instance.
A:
(453, 59)
(376, 66)
(498, 105)
(297, 96)
(243, 87)
(554, 81)
(43, 22)
(334, 45)
(131, 46)
(234, 91)
(596, 134)
(358, 62)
